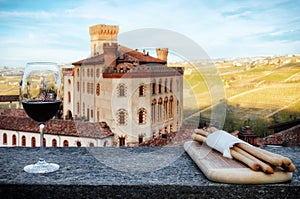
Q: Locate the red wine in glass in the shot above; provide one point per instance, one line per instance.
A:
(41, 101)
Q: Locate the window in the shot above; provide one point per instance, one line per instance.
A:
(160, 86)
(33, 142)
(142, 116)
(91, 144)
(122, 141)
(166, 85)
(88, 72)
(69, 97)
(44, 142)
(153, 87)
(153, 111)
(14, 140)
(98, 89)
(92, 113)
(121, 117)
(160, 109)
(69, 81)
(23, 140)
(78, 86)
(65, 143)
(78, 108)
(171, 107)
(78, 144)
(54, 143)
(4, 138)
(166, 107)
(122, 90)
(171, 85)
(77, 72)
(142, 90)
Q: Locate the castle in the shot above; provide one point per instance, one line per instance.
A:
(137, 95)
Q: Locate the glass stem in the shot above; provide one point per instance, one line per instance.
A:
(42, 148)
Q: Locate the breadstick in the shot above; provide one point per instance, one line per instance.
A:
(265, 167)
(286, 161)
(250, 163)
(289, 168)
(274, 160)
(198, 138)
(201, 132)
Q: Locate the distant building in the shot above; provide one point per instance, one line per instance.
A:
(17, 129)
(137, 95)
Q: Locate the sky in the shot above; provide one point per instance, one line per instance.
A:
(57, 30)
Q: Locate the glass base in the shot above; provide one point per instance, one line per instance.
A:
(41, 167)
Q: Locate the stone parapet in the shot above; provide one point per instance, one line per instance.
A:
(81, 175)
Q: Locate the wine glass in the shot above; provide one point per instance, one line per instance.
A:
(41, 102)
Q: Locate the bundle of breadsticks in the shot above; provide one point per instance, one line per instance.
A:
(255, 158)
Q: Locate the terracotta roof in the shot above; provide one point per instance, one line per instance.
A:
(91, 60)
(124, 55)
(55, 126)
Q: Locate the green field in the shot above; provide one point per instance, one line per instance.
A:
(256, 96)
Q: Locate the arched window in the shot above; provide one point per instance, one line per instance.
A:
(160, 86)
(83, 108)
(153, 87)
(91, 144)
(14, 140)
(78, 108)
(160, 109)
(69, 97)
(142, 116)
(54, 143)
(171, 85)
(171, 107)
(78, 86)
(4, 138)
(153, 111)
(98, 89)
(78, 143)
(166, 107)
(166, 85)
(33, 142)
(142, 90)
(65, 143)
(121, 117)
(122, 140)
(122, 90)
(23, 140)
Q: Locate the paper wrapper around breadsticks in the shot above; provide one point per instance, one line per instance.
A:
(222, 141)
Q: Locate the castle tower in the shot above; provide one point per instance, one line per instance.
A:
(101, 34)
(162, 53)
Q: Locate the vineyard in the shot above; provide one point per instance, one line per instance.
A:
(259, 96)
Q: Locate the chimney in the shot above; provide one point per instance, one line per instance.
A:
(101, 34)
(162, 53)
(110, 54)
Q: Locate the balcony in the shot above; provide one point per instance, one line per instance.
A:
(127, 173)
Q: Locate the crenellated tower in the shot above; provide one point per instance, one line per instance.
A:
(162, 53)
(101, 34)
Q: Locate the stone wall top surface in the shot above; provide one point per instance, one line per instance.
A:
(135, 172)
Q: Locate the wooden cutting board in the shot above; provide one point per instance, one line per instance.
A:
(219, 169)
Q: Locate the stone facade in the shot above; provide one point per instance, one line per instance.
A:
(137, 95)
